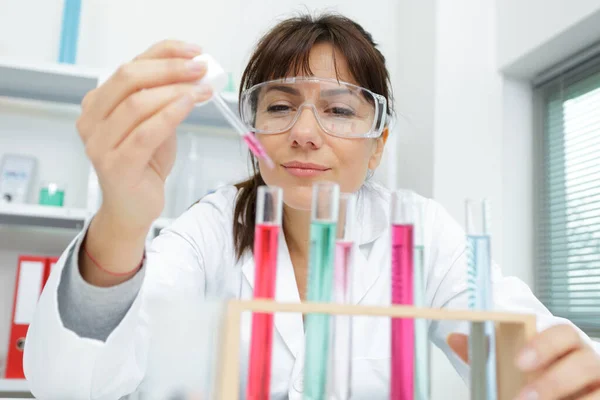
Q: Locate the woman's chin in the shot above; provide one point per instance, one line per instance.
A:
(298, 198)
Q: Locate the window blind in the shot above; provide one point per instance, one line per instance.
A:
(568, 267)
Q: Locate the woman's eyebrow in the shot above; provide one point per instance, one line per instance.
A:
(285, 89)
(324, 93)
(336, 91)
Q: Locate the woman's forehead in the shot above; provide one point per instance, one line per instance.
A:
(324, 62)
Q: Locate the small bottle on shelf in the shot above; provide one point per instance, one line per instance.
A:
(52, 194)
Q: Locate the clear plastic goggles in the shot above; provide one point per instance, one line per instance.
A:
(340, 108)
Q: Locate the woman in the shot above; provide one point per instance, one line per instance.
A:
(96, 307)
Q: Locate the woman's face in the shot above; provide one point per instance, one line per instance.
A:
(306, 154)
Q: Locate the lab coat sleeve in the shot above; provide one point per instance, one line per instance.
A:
(60, 364)
(91, 311)
(447, 287)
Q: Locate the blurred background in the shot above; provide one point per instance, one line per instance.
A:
(496, 98)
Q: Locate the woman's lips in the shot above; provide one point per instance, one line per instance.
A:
(305, 170)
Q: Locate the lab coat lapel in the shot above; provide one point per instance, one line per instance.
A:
(368, 268)
(288, 325)
(371, 224)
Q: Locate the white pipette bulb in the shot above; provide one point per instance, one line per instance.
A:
(215, 74)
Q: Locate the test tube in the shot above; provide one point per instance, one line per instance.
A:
(266, 234)
(324, 217)
(482, 338)
(403, 334)
(341, 348)
(422, 388)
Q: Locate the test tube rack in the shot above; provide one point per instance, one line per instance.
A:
(512, 332)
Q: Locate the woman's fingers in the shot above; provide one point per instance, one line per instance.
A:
(548, 346)
(161, 50)
(571, 374)
(140, 106)
(594, 394)
(564, 365)
(142, 74)
(170, 49)
(138, 147)
(99, 102)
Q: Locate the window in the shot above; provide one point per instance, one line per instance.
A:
(568, 268)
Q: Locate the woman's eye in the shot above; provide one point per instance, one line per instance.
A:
(341, 112)
(277, 108)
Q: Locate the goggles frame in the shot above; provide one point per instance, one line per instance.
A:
(379, 102)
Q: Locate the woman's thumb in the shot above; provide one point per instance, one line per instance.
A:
(459, 343)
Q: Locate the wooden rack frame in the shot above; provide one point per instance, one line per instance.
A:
(512, 332)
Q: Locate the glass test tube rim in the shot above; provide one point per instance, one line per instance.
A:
(484, 224)
(346, 218)
(403, 205)
(333, 201)
(276, 207)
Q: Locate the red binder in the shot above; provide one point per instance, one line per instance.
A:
(50, 263)
(32, 273)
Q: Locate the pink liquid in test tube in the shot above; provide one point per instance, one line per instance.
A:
(343, 258)
(403, 339)
(341, 346)
(265, 258)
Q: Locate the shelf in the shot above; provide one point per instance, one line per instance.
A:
(58, 83)
(14, 386)
(67, 84)
(42, 216)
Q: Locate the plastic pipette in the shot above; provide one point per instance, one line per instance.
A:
(251, 141)
(217, 79)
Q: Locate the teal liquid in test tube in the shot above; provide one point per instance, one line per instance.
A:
(482, 338)
(324, 216)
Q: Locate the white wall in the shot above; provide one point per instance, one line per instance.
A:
(414, 89)
(467, 139)
(36, 24)
(534, 34)
(518, 181)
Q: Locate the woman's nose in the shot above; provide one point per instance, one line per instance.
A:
(306, 132)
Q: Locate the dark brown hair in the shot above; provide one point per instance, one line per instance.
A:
(285, 51)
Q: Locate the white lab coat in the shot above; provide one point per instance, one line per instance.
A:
(195, 258)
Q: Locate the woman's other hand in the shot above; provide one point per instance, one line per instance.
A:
(565, 366)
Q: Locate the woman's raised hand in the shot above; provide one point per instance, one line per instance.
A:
(128, 126)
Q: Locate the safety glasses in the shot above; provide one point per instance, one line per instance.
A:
(340, 108)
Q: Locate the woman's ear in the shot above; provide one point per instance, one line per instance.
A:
(378, 147)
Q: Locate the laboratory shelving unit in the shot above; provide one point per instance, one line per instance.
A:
(58, 88)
